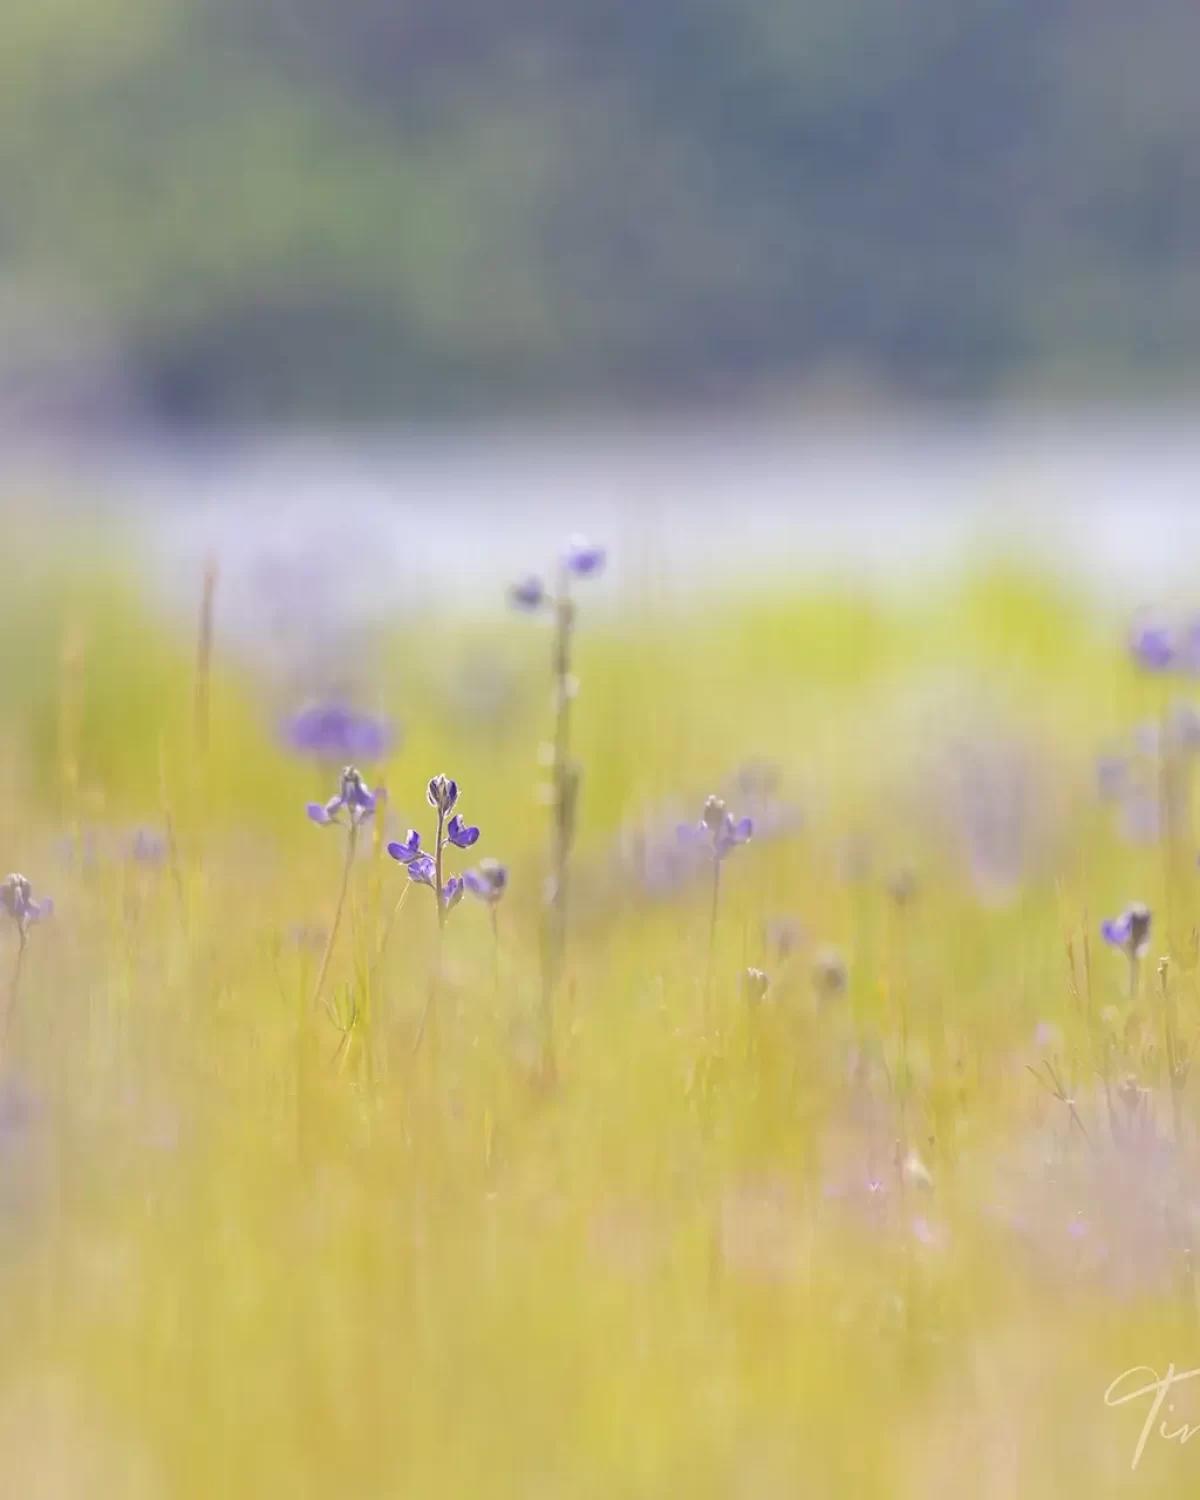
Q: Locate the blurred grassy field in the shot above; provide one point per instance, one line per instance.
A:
(812, 1247)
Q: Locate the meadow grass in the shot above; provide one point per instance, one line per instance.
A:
(837, 1241)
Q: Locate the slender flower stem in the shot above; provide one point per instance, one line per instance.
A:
(555, 939)
(712, 936)
(387, 931)
(351, 844)
(428, 1013)
(437, 865)
(15, 982)
(495, 952)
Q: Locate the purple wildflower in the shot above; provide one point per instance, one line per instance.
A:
(407, 851)
(529, 594)
(335, 732)
(1130, 931)
(718, 829)
(460, 834)
(354, 795)
(488, 882)
(1152, 644)
(426, 868)
(16, 898)
(147, 847)
(583, 558)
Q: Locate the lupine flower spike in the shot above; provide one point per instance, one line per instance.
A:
(425, 868)
(16, 898)
(353, 804)
(721, 833)
(488, 884)
(1130, 932)
(580, 559)
(354, 798)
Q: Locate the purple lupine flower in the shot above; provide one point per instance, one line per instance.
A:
(1130, 931)
(452, 892)
(442, 793)
(488, 882)
(335, 732)
(460, 834)
(16, 898)
(354, 795)
(407, 851)
(422, 869)
(529, 594)
(147, 847)
(718, 829)
(731, 834)
(1152, 644)
(1112, 776)
(582, 558)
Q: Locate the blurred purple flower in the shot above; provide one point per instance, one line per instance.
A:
(582, 558)
(146, 847)
(16, 898)
(354, 795)
(1130, 931)
(717, 829)
(1152, 644)
(335, 732)
(529, 594)
(488, 882)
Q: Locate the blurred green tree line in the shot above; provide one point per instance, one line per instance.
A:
(397, 207)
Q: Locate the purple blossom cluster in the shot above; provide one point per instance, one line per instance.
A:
(718, 831)
(488, 882)
(353, 798)
(580, 559)
(334, 732)
(1130, 931)
(16, 898)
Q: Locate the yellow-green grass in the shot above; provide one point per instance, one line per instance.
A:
(242, 1253)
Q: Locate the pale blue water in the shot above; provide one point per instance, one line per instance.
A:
(1111, 501)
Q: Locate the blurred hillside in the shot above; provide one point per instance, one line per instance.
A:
(335, 208)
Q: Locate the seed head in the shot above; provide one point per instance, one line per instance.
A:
(755, 985)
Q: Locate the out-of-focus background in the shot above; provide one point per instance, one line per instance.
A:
(841, 1144)
(741, 260)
